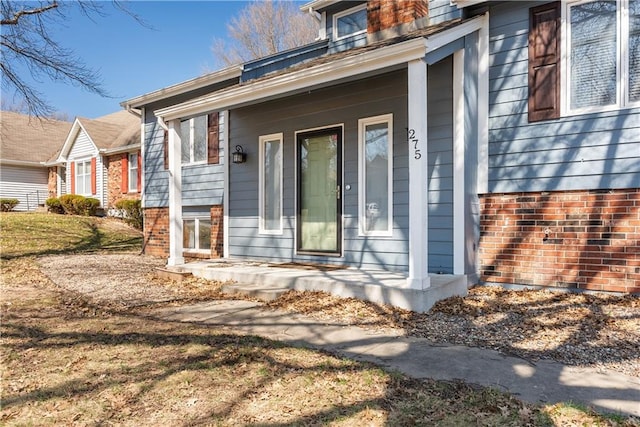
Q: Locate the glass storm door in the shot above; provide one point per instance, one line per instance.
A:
(319, 208)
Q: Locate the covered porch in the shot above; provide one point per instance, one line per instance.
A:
(269, 280)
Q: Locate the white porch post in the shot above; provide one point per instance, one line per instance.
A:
(175, 195)
(418, 188)
(458, 164)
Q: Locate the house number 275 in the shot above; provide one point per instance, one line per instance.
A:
(413, 142)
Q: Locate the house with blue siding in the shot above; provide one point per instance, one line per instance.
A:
(423, 138)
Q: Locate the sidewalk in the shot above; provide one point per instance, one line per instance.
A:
(544, 381)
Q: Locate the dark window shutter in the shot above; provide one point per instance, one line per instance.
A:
(94, 174)
(544, 62)
(124, 177)
(213, 139)
(72, 175)
(165, 147)
(139, 171)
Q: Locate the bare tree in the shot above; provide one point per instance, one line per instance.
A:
(27, 46)
(264, 28)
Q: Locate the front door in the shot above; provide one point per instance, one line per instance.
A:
(319, 183)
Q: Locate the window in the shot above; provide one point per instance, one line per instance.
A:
(193, 135)
(196, 234)
(270, 184)
(602, 61)
(133, 172)
(350, 22)
(375, 186)
(83, 178)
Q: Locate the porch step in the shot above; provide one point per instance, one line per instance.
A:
(265, 293)
(173, 273)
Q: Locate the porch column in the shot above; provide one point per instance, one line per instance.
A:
(175, 195)
(418, 177)
(459, 153)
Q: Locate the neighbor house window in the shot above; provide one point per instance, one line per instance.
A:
(83, 177)
(375, 187)
(193, 136)
(196, 234)
(350, 22)
(133, 172)
(270, 184)
(602, 55)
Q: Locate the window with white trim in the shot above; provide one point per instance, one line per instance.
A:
(83, 177)
(196, 234)
(375, 180)
(601, 67)
(270, 177)
(193, 136)
(133, 172)
(350, 22)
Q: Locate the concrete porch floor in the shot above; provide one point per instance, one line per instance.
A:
(269, 280)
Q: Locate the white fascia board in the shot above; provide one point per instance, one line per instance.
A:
(9, 162)
(317, 4)
(460, 4)
(297, 80)
(448, 36)
(183, 87)
(128, 148)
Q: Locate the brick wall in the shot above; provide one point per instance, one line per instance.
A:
(577, 239)
(52, 184)
(385, 14)
(156, 232)
(217, 231)
(114, 182)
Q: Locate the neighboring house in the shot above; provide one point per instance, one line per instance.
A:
(100, 158)
(27, 142)
(497, 141)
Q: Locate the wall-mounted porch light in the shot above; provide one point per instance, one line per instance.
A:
(239, 156)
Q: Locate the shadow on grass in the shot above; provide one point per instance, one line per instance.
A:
(240, 371)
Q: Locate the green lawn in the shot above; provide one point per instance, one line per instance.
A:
(29, 234)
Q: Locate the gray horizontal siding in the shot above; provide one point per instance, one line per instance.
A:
(442, 10)
(440, 165)
(27, 184)
(202, 185)
(324, 107)
(589, 151)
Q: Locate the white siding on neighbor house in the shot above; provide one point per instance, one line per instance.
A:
(25, 183)
(83, 149)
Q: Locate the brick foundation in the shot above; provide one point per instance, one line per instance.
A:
(156, 233)
(576, 239)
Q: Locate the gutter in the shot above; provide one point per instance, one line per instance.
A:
(22, 163)
(228, 73)
(125, 149)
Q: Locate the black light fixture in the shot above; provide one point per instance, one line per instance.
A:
(239, 156)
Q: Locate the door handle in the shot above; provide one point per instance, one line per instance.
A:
(338, 192)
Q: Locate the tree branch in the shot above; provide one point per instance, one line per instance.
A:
(19, 14)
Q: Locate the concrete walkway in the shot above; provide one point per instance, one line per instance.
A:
(544, 381)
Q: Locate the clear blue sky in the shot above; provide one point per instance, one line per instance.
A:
(134, 60)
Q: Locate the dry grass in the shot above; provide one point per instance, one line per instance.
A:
(66, 361)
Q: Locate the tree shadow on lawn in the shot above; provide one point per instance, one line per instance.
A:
(229, 379)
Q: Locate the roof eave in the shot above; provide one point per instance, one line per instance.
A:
(461, 4)
(341, 69)
(125, 149)
(10, 162)
(317, 4)
(183, 87)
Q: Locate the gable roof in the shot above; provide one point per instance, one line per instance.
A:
(111, 133)
(26, 139)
